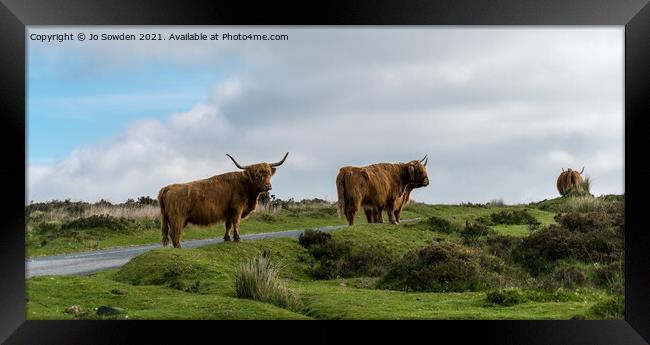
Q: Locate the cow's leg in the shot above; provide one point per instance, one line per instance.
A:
(370, 213)
(380, 215)
(176, 232)
(226, 236)
(398, 213)
(391, 213)
(373, 216)
(351, 209)
(235, 226)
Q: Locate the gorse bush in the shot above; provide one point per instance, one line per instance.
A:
(257, 279)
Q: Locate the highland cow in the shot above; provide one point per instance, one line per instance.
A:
(228, 197)
(569, 180)
(377, 187)
(374, 216)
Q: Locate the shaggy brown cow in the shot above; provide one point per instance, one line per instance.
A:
(378, 186)
(570, 179)
(227, 197)
(374, 216)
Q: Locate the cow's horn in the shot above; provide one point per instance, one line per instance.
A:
(280, 162)
(423, 158)
(583, 169)
(425, 161)
(237, 164)
(562, 169)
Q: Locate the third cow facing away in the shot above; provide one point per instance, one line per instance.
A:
(569, 180)
(225, 198)
(377, 187)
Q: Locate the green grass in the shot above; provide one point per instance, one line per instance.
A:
(50, 296)
(296, 218)
(198, 283)
(338, 300)
(257, 222)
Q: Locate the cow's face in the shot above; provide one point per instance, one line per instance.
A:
(418, 174)
(260, 176)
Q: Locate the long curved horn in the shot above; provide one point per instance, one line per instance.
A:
(237, 164)
(425, 161)
(423, 158)
(583, 169)
(280, 162)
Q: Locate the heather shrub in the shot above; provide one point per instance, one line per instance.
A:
(501, 246)
(332, 258)
(569, 277)
(309, 237)
(439, 267)
(514, 217)
(542, 249)
(610, 277)
(441, 225)
(102, 221)
(471, 232)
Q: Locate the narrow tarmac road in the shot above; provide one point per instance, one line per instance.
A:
(90, 262)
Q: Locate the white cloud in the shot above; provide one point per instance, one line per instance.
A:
(498, 111)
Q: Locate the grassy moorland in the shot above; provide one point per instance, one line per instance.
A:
(545, 260)
(67, 227)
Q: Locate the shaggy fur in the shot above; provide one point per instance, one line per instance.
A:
(227, 198)
(377, 187)
(570, 179)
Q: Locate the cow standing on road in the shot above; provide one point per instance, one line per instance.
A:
(228, 197)
(377, 187)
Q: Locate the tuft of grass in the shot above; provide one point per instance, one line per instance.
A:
(257, 279)
(612, 308)
(505, 297)
(584, 203)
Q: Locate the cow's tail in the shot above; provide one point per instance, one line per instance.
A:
(164, 218)
(340, 189)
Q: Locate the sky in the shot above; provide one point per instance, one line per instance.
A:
(499, 110)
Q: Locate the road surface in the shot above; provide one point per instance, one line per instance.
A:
(99, 260)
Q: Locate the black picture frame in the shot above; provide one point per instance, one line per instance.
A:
(15, 15)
